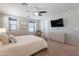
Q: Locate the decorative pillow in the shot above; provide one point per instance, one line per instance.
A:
(4, 38)
(1, 43)
(12, 39)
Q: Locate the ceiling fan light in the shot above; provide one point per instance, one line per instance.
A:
(36, 13)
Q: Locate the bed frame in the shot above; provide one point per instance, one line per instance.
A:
(39, 51)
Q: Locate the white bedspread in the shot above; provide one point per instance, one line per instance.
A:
(26, 45)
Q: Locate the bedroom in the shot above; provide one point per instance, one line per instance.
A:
(30, 25)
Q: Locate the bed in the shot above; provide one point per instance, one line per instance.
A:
(26, 45)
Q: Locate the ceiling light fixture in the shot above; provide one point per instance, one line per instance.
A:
(36, 13)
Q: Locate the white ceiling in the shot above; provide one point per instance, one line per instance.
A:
(52, 8)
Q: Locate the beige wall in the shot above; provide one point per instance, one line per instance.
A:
(71, 26)
(4, 23)
(22, 29)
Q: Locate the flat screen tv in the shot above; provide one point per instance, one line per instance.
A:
(57, 23)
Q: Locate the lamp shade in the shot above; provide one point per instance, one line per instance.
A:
(2, 30)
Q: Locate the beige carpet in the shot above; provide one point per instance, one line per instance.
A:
(59, 49)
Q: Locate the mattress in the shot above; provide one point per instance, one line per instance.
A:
(26, 45)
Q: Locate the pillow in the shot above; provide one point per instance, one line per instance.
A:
(12, 39)
(4, 38)
(1, 43)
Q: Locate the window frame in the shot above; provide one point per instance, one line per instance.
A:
(34, 26)
(12, 24)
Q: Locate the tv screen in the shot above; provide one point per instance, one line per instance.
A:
(57, 23)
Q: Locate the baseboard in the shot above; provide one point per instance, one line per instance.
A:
(73, 43)
(56, 41)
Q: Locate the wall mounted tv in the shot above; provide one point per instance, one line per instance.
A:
(57, 23)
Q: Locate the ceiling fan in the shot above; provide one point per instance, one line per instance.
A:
(37, 11)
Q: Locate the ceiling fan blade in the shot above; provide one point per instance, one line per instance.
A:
(42, 11)
(39, 14)
(25, 4)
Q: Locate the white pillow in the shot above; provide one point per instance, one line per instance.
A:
(4, 38)
(12, 39)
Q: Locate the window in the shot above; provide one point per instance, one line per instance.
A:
(12, 24)
(32, 26)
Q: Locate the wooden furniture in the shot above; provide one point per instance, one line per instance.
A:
(57, 36)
